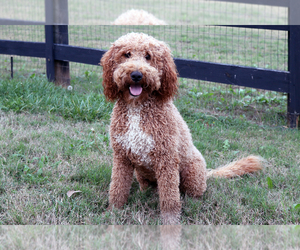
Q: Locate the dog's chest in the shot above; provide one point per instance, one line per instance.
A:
(135, 139)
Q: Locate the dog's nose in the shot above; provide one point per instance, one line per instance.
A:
(136, 76)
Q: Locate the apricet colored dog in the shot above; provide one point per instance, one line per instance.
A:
(148, 135)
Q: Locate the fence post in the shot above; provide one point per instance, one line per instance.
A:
(49, 53)
(56, 31)
(294, 64)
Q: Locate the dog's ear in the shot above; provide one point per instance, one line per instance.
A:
(111, 91)
(169, 81)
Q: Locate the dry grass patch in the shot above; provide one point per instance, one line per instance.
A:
(42, 157)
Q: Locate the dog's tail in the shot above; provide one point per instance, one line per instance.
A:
(246, 165)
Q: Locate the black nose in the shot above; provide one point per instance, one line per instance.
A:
(136, 76)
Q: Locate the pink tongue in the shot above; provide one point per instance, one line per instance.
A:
(136, 89)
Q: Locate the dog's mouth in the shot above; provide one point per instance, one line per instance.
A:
(135, 90)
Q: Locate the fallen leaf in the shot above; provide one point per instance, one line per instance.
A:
(69, 193)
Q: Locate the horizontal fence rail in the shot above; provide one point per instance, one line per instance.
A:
(234, 75)
(4, 21)
(20, 48)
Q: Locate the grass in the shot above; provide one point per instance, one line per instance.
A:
(53, 141)
(251, 104)
(149, 237)
(24, 96)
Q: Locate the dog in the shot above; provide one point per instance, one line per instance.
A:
(138, 17)
(147, 133)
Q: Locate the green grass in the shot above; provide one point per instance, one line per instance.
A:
(20, 96)
(53, 141)
(262, 107)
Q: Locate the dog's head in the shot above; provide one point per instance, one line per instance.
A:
(138, 67)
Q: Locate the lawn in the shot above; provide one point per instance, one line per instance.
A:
(53, 141)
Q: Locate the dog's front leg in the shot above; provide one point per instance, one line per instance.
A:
(121, 180)
(169, 195)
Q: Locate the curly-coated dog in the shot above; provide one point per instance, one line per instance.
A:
(148, 135)
(138, 17)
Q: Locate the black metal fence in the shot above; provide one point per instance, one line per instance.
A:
(58, 53)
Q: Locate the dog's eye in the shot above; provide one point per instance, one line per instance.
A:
(148, 57)
(127, 55)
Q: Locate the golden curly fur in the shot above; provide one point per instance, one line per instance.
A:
(148, 135)
(138, 17)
